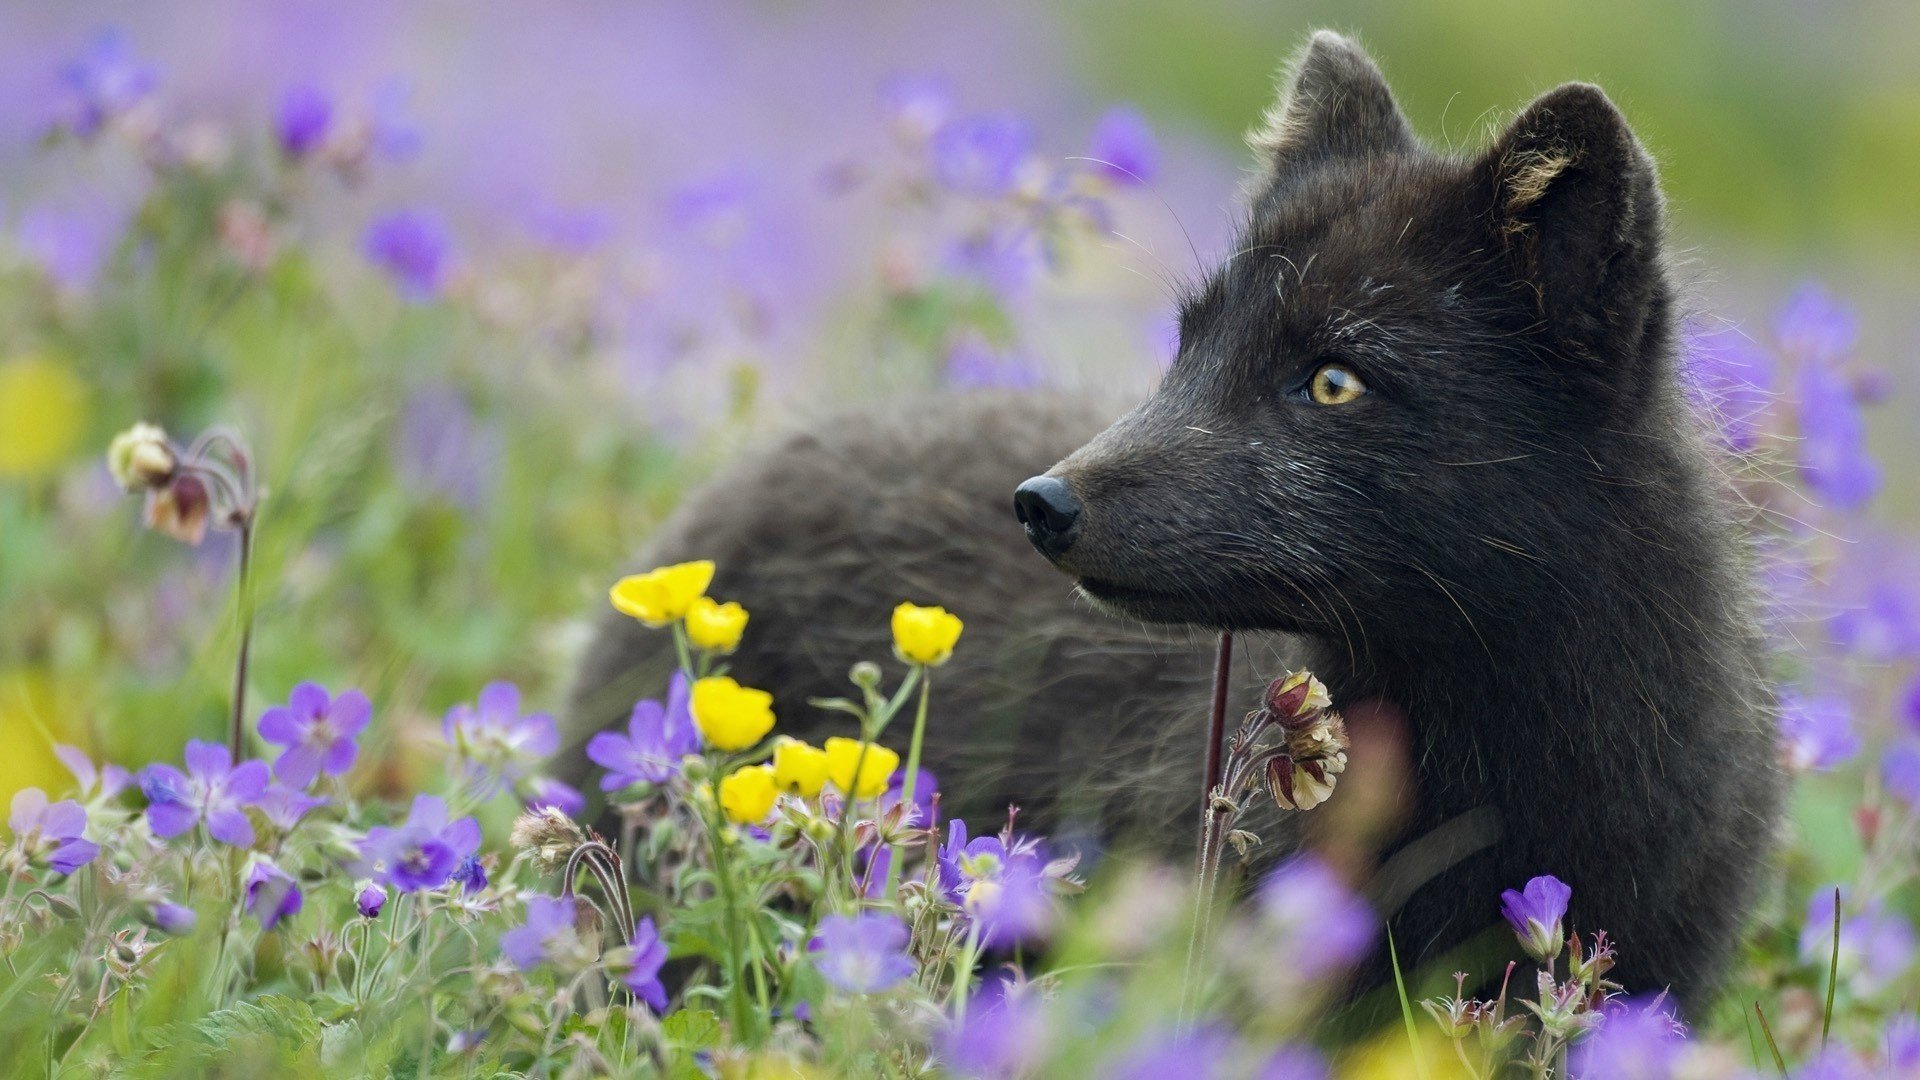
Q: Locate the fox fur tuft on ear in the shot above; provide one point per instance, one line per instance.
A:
(1333, 103)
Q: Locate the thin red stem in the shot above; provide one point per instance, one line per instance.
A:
(1216, 725)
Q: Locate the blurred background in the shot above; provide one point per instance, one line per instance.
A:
(487, 286)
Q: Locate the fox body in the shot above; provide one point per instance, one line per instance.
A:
(1426, 436)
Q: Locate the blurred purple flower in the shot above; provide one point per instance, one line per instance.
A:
(284, 806)
(493, 741)
(1883, 626)
(371, 898)
(973, 364)
(926, 789)
(103, 783)
(917, 105)
(1834, 1063)
(70, 245)
(1733, 378)
(318, 732)
(1815, 328)
(1015, 907)
(1833, 439)
(303, 120)
(1900, 771)
(1876, 947)
(213, 790)
(391, 128)
(470, 875)
(1294, 1063)
(272, 895)
(1816, 731)
(103, 82)
(864, 953)
(549, 922)
(1535, 913)
(1902, 1045)
(1006, 1033)
(1322, 925)
(1910, 705)
(719, 210)
(50, 833)
(981, 155)
(171, 918)
(657, 738)
(1123, 149)
(1637, 1040)
(437, 449)
(422, 852)
(1199, 1054)
(649, 956)
(544, 791)
(572, 230)
(414, 248)
(1004, 261)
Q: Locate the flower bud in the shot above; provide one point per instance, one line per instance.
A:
(371, 899)
(180, 509)
(1292, 698)
(140, 458)
(865, 674)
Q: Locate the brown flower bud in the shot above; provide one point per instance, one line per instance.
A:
(180, 508)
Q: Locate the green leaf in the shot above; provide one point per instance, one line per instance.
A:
(692, 1029)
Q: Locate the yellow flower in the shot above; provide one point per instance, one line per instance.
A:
(924, 635)
(746, 794)
(715, 627)
(730, 716)
(843, 756)
(662, 596)
(799, 768)
(43, 415)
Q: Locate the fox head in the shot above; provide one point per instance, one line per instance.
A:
(1417, 390)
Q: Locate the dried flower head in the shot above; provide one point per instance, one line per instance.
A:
(549, 836)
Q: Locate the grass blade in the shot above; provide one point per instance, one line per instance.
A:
(1833, 971)
(1767, 1030)
(1406, 1009)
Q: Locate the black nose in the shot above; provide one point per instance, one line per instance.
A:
(1046, 506)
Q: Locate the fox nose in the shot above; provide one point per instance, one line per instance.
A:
(1046, 506)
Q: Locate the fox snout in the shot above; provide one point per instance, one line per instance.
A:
(1050, 512)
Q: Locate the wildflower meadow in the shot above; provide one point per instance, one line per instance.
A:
(339, 381)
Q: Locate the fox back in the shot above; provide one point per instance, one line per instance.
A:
(1426, 429)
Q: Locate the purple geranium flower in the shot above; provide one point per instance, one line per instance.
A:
(414, 248)
(1199, 1054)
(864, 953)
(1815, 328)
(657, 737)
(1733, 379)
(371, 898)
(317, 731)
(103, 82)
(213, 790)
(1294, 1063)
(1902, 1044)
(1833, 438)
(1900, 771)
(1006, 1032)
(494, 741)
(1535, 914)
(981, 155)
(1817, 731)
(1634, 1039)
(643, 971)
(272, 894)
(102, 783)
(470, 875)
(51, 833)
(285, 806)
(169, 917)
(423, 852)
(545, 791)
(304, 119)
(549, 924)
(1323, 925)
(1123, 149)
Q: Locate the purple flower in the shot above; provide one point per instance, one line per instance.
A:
(171, 918)
(657, 738)
(70, 245)
(1833, 1064)
(1015, 907)
(864, 953)
(1003, 261)
(917, 105)
(371, 898)
(1900, 771)
(1876, 947)
(1910, 706)
(1815, 328)
(1882, 626)
(414, 248)
(973, 364)
(1294, 1063)
(213, 790)
(1833, 438)
(1733, 378)
(105, 81)
(549, 925)
(643, 972)
(926, 789)
(1535, 914)
(545, 791)
(1123, 149)
(271, 894)
(51, 833)
(1902, 1043)
(317, 731)
(981, 155)
(303, 121)
(1005, 1033)
(470, 875)
(493, 740)
(1816, 731)
(423, 852)
(1635, 1041)
(285, 806)
(1199, 1054)
(102, 783)
(1323, 926)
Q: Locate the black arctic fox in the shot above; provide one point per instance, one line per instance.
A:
(1426, 425)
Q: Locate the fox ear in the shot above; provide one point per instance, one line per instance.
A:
(1576, 205)
(1334, 103)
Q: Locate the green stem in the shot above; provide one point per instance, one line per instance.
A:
(913, 776)
(237, 722)
(724, 871)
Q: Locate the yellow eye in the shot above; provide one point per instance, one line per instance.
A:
(1336, 384)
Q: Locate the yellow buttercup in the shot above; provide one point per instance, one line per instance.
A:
(662, 596)
(730, 716)
(747, 794)
(844, 756)
(714, 626)
(925, 635)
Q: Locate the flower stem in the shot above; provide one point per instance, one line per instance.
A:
(912, 780)
(724, 871)
(1216, 725)
(237, 725)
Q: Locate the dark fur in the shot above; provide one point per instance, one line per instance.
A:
(1519, 541)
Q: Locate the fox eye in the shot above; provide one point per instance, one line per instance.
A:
(1336, 384)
